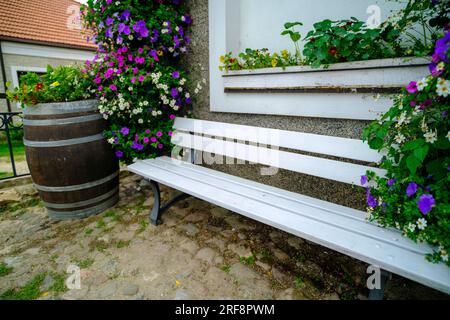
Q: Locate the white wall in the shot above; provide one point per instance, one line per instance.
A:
(261, 21)
(238, 24)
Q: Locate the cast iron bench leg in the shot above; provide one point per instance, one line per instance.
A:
(378, 294)
(157, 210)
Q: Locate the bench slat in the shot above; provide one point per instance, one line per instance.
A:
(387, 255)
(319, 167)
(328, 145)
(336, 215)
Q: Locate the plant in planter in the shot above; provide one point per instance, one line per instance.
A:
(70, 161)
(57, 85)
(344, 41)
(137, 72)
(409, 32)
(414, 195)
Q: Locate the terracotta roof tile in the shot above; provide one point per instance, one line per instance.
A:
(41, 21)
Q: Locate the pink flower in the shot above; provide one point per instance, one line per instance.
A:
(135, 70)
(146, 140)
(412, 87)
(100, 88)
(172, 117)
(133, 80)
(141, 78)
(113, 87)
(147, 131)
(153, 139)
(159, 134)
(170, 133)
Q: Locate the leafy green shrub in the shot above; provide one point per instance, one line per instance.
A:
(414, 195)
(257, 59)
(60, 84)
(343, 41)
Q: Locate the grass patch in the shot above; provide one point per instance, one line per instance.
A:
(60, 284)
(18, 149)
(111, 214)
(143, 224)
(86, 263)
(226, 268)
(123, 244)
(4, 270)
(30, 291)
(248, 260)
(101, 224)
(299, 282)
(5, 174)
(88, 232)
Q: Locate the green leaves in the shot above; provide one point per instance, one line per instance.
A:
(289, 25)
(411, 145)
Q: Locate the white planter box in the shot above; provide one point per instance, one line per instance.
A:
(353, 90)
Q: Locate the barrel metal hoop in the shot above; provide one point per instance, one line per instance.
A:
(59, 122)
(83, 213)
(77, 187)
(56, 108)
(81, 203)
(62, 143)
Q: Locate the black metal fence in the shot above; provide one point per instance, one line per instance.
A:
(11, 127)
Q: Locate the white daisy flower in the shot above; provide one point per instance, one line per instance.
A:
(422, 84)
(430, 137)
(412, 227)
(421, 224)
(400, 138)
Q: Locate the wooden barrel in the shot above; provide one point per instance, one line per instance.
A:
(72, 165)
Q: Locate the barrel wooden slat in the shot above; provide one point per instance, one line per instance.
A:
(72, 165)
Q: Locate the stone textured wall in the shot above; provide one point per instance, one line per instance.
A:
(198, 64)
(26, 61)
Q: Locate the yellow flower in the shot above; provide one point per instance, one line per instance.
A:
(178, 282)
(222, 59)
(274, 63)
(56, 84)
(285, 54)
(159, 53)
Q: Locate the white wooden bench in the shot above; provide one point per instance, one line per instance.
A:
(334, 226)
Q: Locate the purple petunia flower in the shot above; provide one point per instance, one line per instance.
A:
(160, 146)
(391, 182)
(125, 131)
(109, 33)
(137, 146)
(125, 15)
(174, 92)
(154, 55)
(141, 28)
(411, 189)
(146, 140)
(123, 28)
(426, 203)
(442, 47)
(159, 134)
(109, 21)
(426, 104)
(363, 180)
(119, 154)
(153, 139)
(412, 87)
(113, 87)
(371, 201)
(176, 74)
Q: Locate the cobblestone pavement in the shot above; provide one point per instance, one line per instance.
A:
(199, 252)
